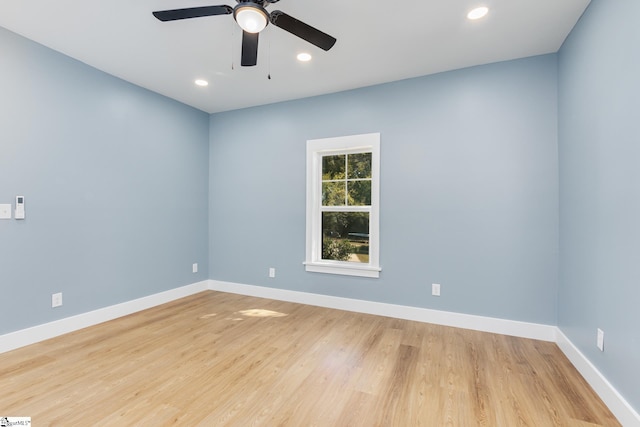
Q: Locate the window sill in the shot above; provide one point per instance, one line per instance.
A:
(343, 269)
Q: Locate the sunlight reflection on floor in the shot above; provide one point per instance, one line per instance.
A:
(257, 312)
(254, 312)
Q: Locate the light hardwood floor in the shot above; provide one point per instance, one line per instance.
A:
(217, 359)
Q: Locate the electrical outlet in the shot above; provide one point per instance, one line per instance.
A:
(600, 339)
(56, 300)
(194, 267)
(272, 272)
(435, 289)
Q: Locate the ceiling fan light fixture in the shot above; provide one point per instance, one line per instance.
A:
(251, 17)
(477, 13)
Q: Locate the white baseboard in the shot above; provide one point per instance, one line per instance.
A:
(53, 329)
(458, 320)
(623, 411)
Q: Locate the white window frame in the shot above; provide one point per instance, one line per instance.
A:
(316, 149)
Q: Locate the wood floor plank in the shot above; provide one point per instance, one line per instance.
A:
(218, 359)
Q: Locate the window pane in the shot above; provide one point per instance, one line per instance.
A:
(333, 167)
(359, 165)
(333, 193)
(345, 236)
(360, 193)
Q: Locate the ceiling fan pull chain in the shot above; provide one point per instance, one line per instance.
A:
(269, 57)
(233, 51)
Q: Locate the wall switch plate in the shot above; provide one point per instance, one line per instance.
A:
(5, 211)
(56, 300)
(272, 272)
(435, 289)
(194, 267)
(600, 339)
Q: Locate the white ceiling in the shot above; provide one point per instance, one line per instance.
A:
(378, 41)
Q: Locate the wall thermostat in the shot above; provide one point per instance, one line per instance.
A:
(19, 207)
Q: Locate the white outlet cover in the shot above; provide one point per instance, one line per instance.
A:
(56, 300)
(5, 211)
(600, 339)
(194, 267)
(435, 289)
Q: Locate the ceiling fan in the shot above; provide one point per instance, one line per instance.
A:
(253, 18)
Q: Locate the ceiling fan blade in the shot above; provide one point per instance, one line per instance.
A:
(249, 49)
(304, 31)
(192, 12)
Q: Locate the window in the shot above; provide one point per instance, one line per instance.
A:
(343, 176)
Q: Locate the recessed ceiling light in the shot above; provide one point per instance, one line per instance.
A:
(304, 57)
(478, 12)
(201, 82)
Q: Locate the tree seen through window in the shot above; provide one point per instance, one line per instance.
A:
(346, 203)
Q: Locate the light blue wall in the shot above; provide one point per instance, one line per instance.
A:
(115, 180)
(599, 112)
(469, 190)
